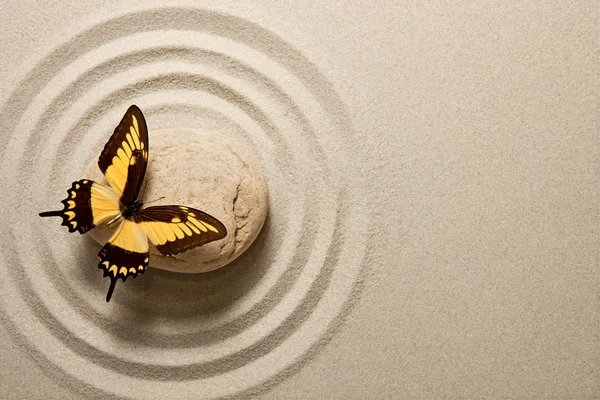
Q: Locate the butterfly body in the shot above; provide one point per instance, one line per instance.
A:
(132, 209)
(171, 229)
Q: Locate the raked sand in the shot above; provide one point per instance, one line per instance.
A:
(432, 175)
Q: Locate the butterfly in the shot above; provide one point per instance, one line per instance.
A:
(172, 229)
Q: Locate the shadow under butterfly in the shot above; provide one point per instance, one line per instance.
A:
(172, 229)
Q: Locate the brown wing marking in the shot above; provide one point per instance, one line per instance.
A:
(174, 229)
(125, 254)
(135, 172)
(130, 137)
(88, 204)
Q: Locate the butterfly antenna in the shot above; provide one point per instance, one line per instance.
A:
(51, 214)
(160, 198)
(113, 282)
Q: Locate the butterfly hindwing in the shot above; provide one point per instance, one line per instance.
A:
(88, 204)
(174, 229)
(128, 141)
(125, 254)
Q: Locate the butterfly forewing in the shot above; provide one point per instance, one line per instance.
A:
(128, 142)
(174, 229)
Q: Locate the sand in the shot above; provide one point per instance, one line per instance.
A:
(433, 188)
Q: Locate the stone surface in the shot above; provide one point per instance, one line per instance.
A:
(210, 172)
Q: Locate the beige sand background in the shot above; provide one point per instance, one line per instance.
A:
(433, 230)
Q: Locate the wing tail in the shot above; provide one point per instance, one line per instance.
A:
(113, 282)
(58, 213)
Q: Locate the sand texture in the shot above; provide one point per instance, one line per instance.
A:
(432, 229)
